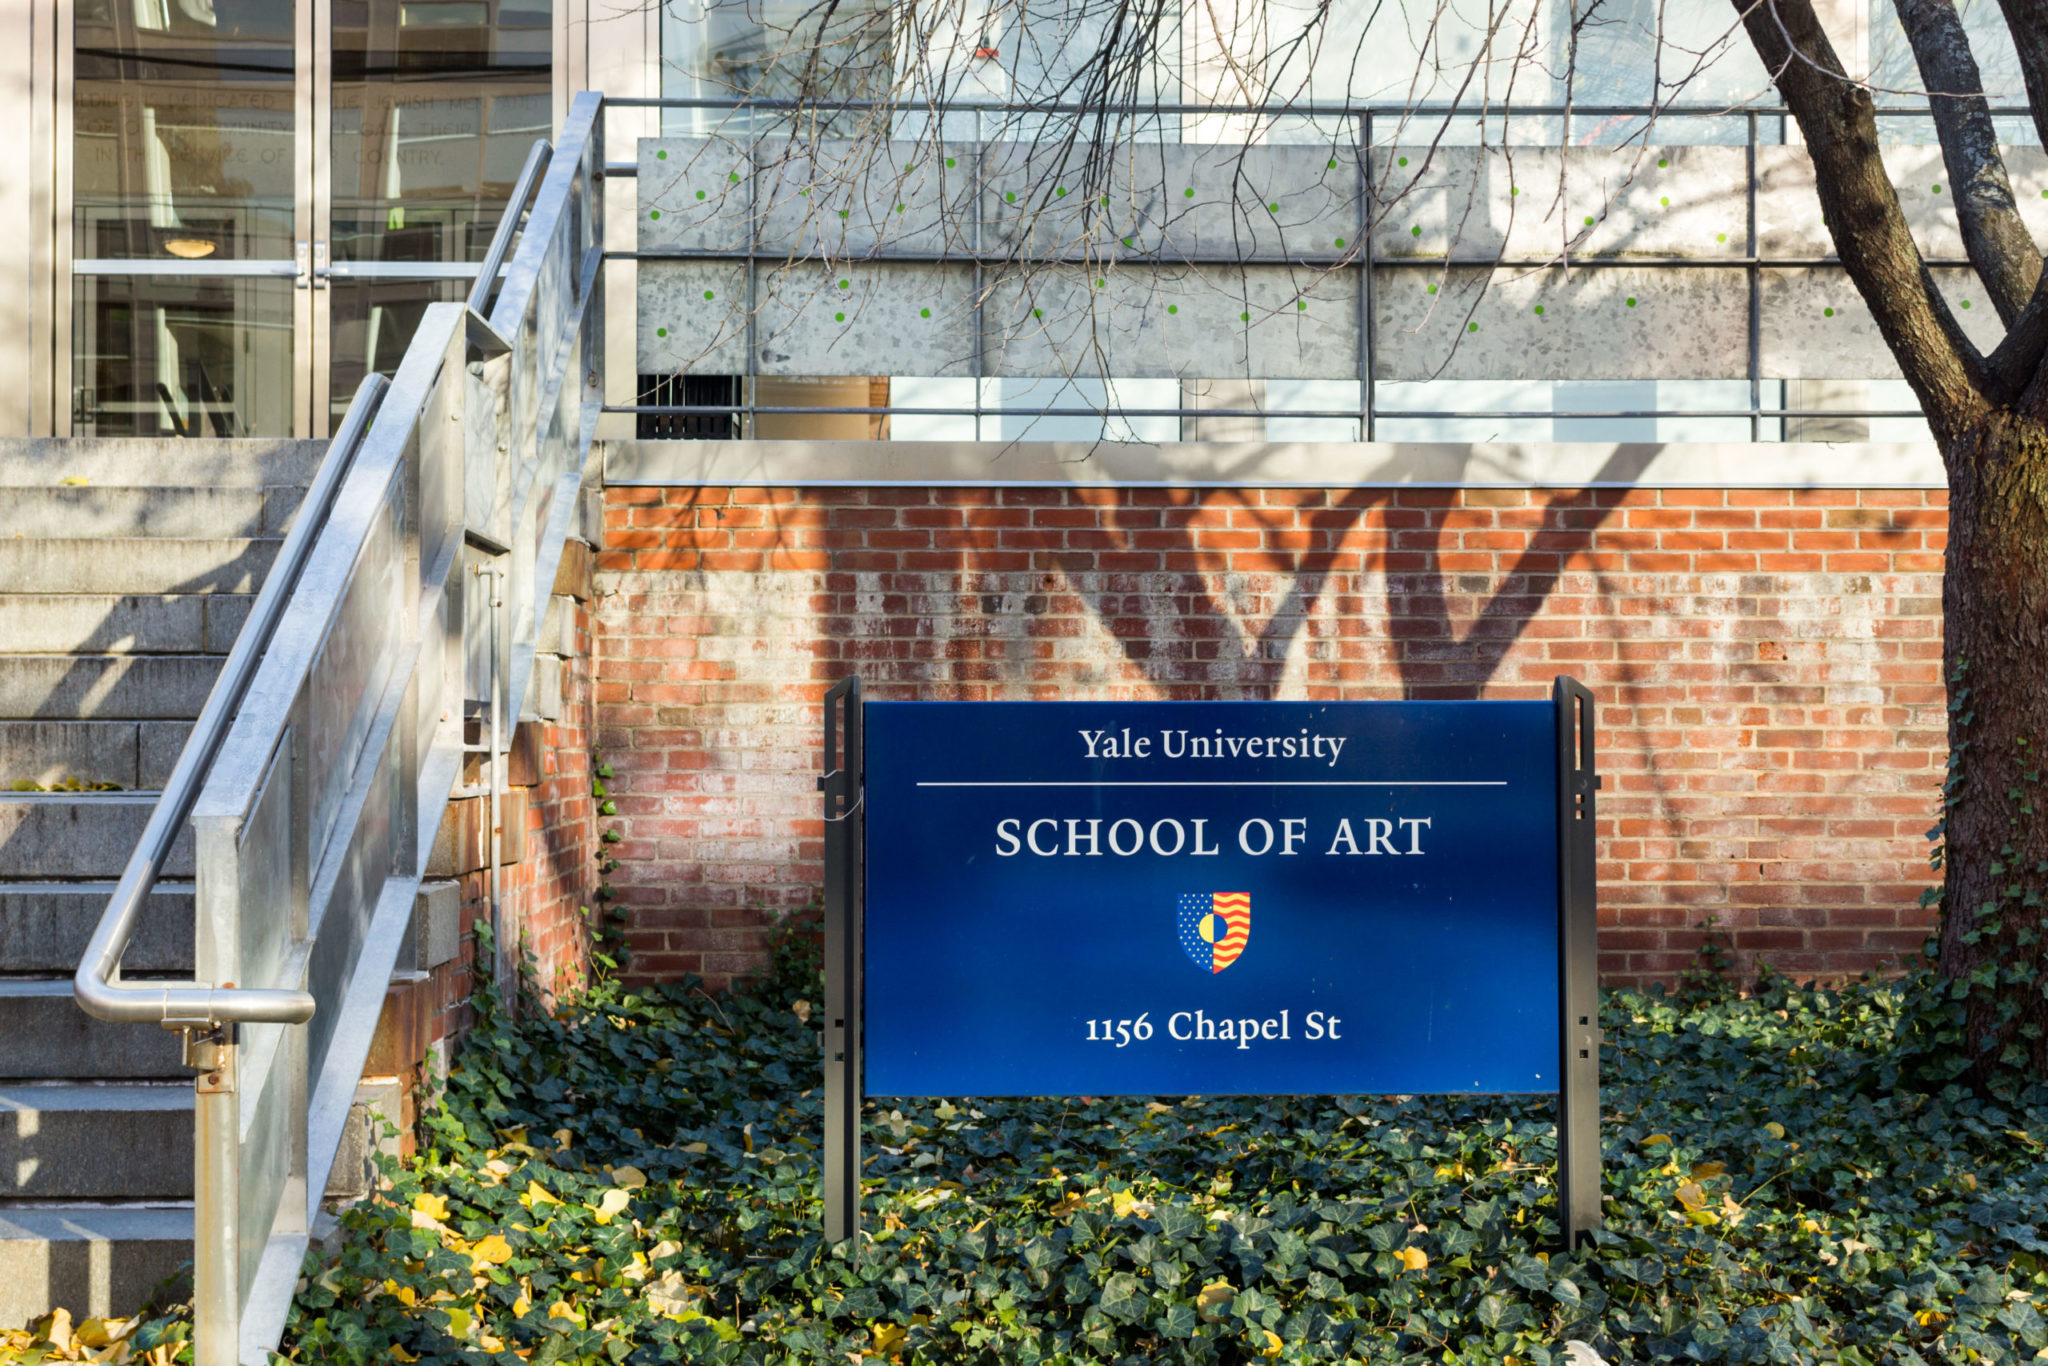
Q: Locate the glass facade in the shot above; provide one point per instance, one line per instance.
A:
(217, 270)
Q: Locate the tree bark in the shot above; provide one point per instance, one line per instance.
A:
(1995, 820)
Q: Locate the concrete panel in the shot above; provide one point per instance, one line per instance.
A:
(692, 317)
(159, 745)
(1815, 325)
(1617, 323)
(99, 512)
(1140, 322)
(145, 462)
(45, 752)
(64, 623)
(154, 565)
(818, 318)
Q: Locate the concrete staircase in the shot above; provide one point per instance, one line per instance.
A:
(126, 569)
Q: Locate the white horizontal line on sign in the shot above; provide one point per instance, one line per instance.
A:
(1387, 782)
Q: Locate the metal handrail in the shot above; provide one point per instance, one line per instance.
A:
(523, 189)
(193, 1005)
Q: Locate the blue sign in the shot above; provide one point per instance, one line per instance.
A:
(1179, 898)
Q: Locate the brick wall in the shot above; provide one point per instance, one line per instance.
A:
(1767, 664)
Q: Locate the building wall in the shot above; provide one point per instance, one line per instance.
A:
(1767, 663)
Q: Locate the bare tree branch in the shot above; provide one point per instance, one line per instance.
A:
(1999, 244)
(2028, 22)
(1862, 213)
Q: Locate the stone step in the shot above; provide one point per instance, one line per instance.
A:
(45, 926)
(130, 754)
(50, 1039)
(94, 1261)
(105, 687)
(69, 836)
(202, 513)
(90, 1142)
(131, 565)
(127, 462)
(129, 623)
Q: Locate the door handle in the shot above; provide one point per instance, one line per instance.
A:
(302, 262)
(321, 270)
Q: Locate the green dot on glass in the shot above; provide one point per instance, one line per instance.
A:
(899, 208)
(1589, 220)
(1631, 301)
(1471, 327)
(661, 331)
(838, 317)
(842, 213)
(1966, 303)
(906, 166)
(1827, 312)
(846, 284)
(1432, 289)
(1340, 243)
(1415, 232)
(1937, 189)
(1514, 190)
(1666, 201)
(1301, 305)
(1173, 308)
(1127, 241)
(1272, 208)
(1189, 193)
(1721, 237)
(1105, 201)
(708, 296)
(700, 194)
(924, 312)
(1663, 161)
(661, 156)
(1404, 161)
(1038, 313)
(804, 193)
(1061, 191)
(1010, 197)
(1101, 283)
(950, 161)
(734, 177)
(1333, 164)
(654, 213)
(1539, 310)
(1244, 317)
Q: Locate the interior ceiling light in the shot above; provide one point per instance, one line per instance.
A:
(189, 248)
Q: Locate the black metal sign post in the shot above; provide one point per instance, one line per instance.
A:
(845, 843)
(1578, 965)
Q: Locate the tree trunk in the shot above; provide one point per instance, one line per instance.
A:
(1995, 655)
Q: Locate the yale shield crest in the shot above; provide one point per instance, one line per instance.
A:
(1213, 927)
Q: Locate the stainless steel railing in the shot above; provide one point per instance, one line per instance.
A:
(316, 776)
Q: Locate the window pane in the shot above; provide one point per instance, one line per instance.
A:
(166, 357)
(182, 129)
(436, 104)
(373, 322)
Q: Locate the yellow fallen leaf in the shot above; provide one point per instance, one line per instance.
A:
(696, 1147)
(459, 1321)
(491, 1250)
(1705, 1218)
(562, 1309)
(1271, 1344)
(55, 1328)
(889, 1338)
(435, 1207)
(612, 1205)
(399, 1353)
(1775, 1129)
(74, 481)
(563, 1138)
(1215, 1300)
(1070, 1202)
(1153, 1107)
(1706, 1171)
(1691, 1196)
(536, 1196)
(670, 1296)
(1412, 1259)
(522, 1304)
(628, 1178)
(1654, 1139)
(1808, 1226)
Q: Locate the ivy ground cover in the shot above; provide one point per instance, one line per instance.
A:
(634, 1179)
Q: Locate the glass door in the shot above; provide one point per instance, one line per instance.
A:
(266, 194)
